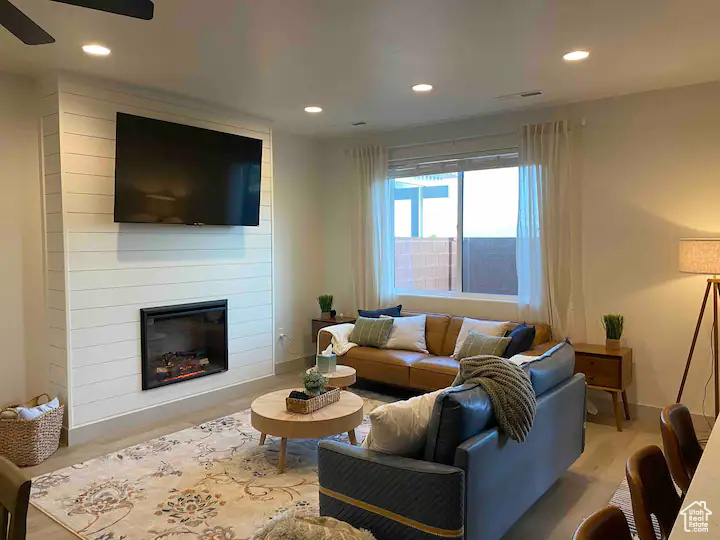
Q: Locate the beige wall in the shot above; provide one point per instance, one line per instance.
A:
(298, 252)
(650, 168)
(21, 281)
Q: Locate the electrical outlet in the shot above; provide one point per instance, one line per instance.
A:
(281, 333)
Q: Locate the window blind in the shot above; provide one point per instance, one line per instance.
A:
(453, 156)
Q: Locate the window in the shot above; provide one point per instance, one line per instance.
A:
(455, 232)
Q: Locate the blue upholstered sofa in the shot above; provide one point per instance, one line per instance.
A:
(472, 481)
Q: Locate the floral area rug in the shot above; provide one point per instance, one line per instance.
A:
(208, 482)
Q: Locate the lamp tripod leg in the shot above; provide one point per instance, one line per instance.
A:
(716, 293)
(694, 340)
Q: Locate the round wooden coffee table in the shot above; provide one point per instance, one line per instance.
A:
(342, 377)
(270, 417)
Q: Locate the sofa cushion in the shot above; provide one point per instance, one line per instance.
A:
(489, 328)
(371, 332)
(377, 313)
(436, 325)
(401, 427)
(476, 344)
(552, 368)
(408, 334)
(392, 357)
(459, 413)
(440, 364)
(521, 340)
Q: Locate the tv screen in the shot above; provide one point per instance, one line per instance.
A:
(173, 173)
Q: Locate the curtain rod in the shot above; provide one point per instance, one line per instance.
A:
(459, 139)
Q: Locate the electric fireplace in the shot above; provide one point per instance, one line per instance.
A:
(183, 342)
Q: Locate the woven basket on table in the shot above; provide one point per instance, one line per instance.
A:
(306, 406)
(28, 442)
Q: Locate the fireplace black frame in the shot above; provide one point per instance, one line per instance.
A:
(170, 311)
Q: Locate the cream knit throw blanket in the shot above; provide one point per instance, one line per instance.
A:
(509, 388)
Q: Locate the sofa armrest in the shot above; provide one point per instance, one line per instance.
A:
(323, 340)
(391, 496)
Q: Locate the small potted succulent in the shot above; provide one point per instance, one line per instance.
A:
(326, 302)
(315, 383)
(613, 325)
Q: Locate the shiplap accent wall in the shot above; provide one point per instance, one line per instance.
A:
(56, 295)
(102, 273)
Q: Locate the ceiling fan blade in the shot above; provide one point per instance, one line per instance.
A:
(22, 26)
(140, 9)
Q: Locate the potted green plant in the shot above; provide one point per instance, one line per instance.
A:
(326, 302)
(613, 325)
(315, 383)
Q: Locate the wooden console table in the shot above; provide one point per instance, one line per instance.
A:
(609, 370)
(319, 324)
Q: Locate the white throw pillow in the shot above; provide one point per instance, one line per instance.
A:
(408, 334)
(489, 328)
(522, 359)
(400, 428)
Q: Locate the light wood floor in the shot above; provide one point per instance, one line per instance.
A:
(586, 487)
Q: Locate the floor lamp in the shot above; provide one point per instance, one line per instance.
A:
(702, 256)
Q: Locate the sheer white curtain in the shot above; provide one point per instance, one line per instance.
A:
(549, 263)
(371, 226)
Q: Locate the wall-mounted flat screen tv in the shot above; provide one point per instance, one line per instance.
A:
(173, 173)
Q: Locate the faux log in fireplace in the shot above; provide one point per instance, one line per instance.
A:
(183, 342)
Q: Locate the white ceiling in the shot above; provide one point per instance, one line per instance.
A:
(358, 58)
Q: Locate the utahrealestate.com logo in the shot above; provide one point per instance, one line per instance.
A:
(696, 517)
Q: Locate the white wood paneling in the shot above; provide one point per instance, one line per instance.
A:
(111, 270)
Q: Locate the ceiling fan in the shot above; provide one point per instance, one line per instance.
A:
(30, 33)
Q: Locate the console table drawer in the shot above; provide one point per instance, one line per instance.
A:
(599, 370)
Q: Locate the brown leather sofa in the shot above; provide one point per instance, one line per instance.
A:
(419, 370)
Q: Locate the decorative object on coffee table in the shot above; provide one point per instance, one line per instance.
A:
(343, 376)
(702, 256)
(613, 325)
(326, 361)
(270, 416)
(326, 302)
(609, 370)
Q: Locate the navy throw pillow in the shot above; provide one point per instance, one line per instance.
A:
(521, 340)
(375, 313)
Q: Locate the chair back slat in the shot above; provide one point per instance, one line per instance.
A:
(652, 492)
(14, 501)
(680, 443)
(606, 524)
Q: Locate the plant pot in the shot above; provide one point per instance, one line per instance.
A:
(612, 344)
(326, 315)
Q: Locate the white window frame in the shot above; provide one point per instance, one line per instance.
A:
(504, 158)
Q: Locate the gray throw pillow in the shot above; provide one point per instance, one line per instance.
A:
(476, 344)
(371, 332)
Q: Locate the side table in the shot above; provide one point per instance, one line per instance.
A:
(609, 370)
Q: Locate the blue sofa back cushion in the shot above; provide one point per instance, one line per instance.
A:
(459, 413)
(376, 313)
(552, 368)
(521, 340)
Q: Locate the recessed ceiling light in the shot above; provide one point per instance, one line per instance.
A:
(94, 49)
(313, 109)
(574, 56)
(422, 87)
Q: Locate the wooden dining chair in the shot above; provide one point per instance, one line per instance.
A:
(681, 446)
(606, 524)
(14, 500)
(652, 492)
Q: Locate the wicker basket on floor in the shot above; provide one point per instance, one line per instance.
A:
(28, 442)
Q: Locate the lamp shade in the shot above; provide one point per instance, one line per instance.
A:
(700, 255)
